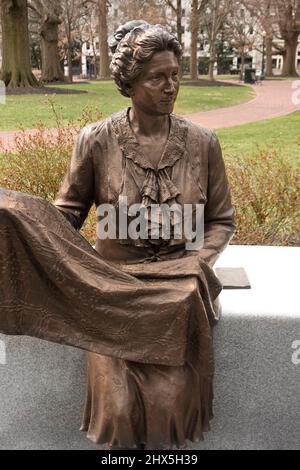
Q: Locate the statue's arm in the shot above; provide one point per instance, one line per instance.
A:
(76, 194)
(219, 223)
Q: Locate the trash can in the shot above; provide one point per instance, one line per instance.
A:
(250, 76)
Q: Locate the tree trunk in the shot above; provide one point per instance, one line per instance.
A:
(211, 76)
(289, 64)
(80, 63)
(213, 38)
(194, 40)
(51, 68)
(16, 65)
(70, 61)
(179, 21)
(242, 64)
(103, 42)
(212, 59)
(179, 29)
(269, 61)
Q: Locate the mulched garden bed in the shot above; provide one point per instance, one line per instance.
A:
(203, 82)
(43, 91)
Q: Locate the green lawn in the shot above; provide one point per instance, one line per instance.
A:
(281, 134)
(235, 77)
(278, 77)
(28, 110)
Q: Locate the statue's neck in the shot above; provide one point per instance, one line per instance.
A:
(145, 124)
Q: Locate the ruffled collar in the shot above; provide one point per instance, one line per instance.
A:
(173, 151)
(157, 187)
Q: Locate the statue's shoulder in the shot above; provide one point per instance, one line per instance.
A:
(101, 130)
(95, 129)
(195, 131)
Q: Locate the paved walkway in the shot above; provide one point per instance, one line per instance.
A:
(273, 98)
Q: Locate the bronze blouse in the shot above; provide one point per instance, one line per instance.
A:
(107, 163)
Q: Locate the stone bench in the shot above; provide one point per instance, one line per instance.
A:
(257, 370)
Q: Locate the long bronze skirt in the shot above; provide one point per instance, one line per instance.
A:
(135, 406)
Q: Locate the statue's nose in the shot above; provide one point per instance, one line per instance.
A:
(170, 88)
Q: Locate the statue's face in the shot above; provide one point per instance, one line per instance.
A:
(156, 89)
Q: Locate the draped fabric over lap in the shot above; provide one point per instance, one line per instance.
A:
(53, 285)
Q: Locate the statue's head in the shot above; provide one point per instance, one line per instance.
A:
(145, 63)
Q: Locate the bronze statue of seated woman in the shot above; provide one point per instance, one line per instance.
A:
(142, 306)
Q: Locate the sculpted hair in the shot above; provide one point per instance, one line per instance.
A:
(138, 47)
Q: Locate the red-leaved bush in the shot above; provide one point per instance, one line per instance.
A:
(265, 192)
